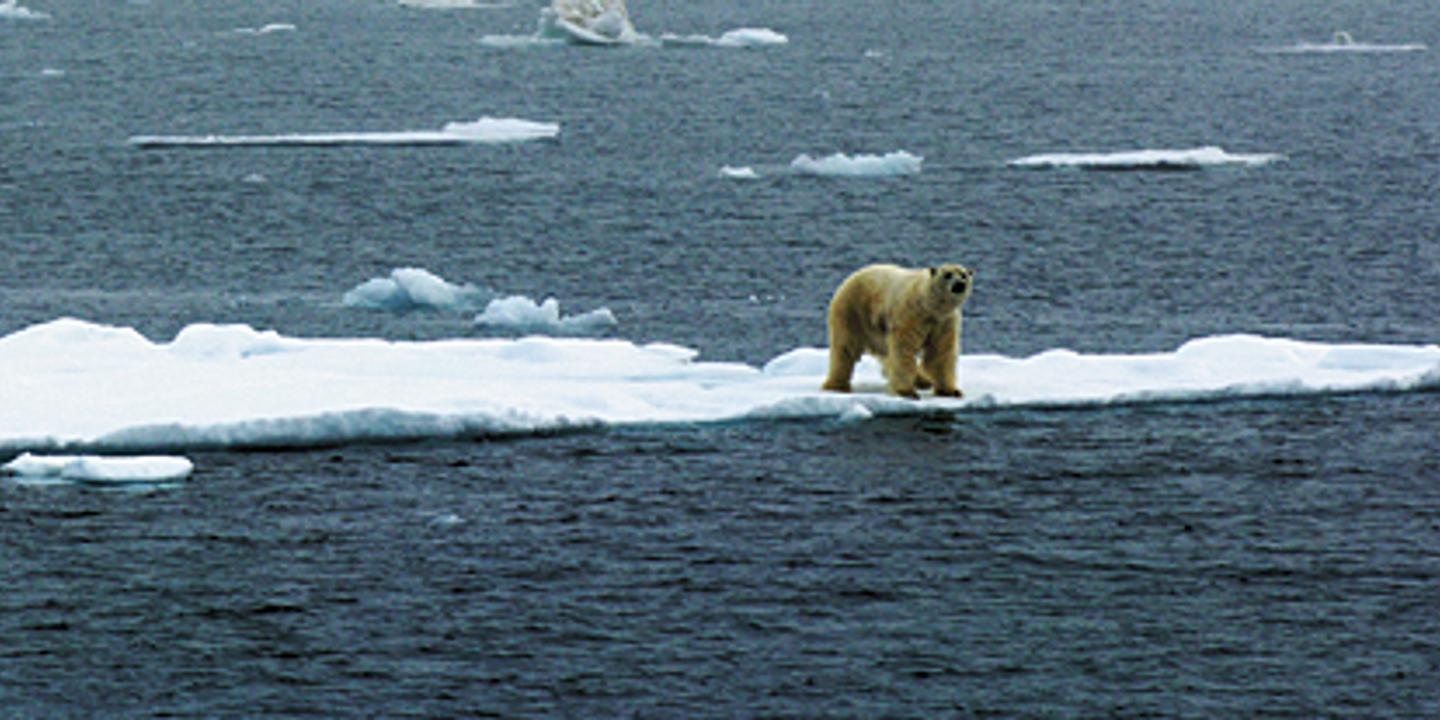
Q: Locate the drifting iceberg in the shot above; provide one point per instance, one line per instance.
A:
(413, 289)
(98, 469)
(12, 10)
(589, 22)
(1342, 42)
(842, 165)
(520, 314)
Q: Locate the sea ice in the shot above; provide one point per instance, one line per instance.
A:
(484, 130)
(412, 289)
(520, 314)
(1192, 159)
(12, 10)
(72, 386)
(1342, 42)
(94, 468)
(842, 165)
(266, 29)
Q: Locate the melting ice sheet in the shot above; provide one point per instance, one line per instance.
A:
(1192, 159)
(71, 384)
(484, 130)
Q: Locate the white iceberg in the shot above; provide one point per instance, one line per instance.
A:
(12, 10)
(413, 289)
(100, 469)
(520, 314)
(1192, 159)
(484, 130)
(455, 4)
(73, 385)
(739, 173)
(842, 165)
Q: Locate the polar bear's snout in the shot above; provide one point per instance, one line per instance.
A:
(958, 287)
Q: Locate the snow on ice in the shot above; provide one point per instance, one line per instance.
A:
(74, 385)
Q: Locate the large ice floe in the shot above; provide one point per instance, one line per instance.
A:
(484, 130)
(1343, 43)
(1192, 159)
(72, 385)
(13, 10)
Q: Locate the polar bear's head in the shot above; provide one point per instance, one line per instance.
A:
(951, 284)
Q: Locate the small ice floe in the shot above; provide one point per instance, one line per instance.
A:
(100, 469)
(12, 10)
(414, 289)
(455, 4)
(520, 314)
(265, 29)
(1193, 159)
(484, 130)
(842, 165)
(739, 173)
(50, 72)
(737, 38)
(1341, 42)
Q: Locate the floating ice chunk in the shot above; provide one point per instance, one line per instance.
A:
(266, 29)
(51, 72)
(484, 130)
(739, 37)
(842, 165)
(1192, 159)
(1341, 43)
(412, 289)
(739, 173)
(455, 4)
(518, 313)
(12, 10)
(94, 468)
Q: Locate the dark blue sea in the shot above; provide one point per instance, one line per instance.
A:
(1263, 557)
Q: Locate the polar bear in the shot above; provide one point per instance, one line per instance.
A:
(895, 314)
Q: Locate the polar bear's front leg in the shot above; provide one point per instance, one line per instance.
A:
(900, 368)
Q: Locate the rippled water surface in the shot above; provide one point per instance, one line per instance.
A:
(1270, 556)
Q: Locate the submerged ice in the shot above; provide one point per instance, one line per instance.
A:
(71, 384)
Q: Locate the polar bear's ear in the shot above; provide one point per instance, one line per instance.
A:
(933, 270)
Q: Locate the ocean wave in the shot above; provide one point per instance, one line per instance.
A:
(484, 130)
(1192, 159)
(233, 386)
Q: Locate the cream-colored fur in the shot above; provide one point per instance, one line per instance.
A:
(897, 314)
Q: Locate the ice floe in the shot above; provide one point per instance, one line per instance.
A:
(265, 29)
(71, 385)
(842, 165)
(739, 37)
(1191, 159)
(1341, 42)
(413, 289)
(520, 314)
(744, 172)
(484, 130)
(455, 4)
(13, 10)
(607, 23)
(100, 469)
